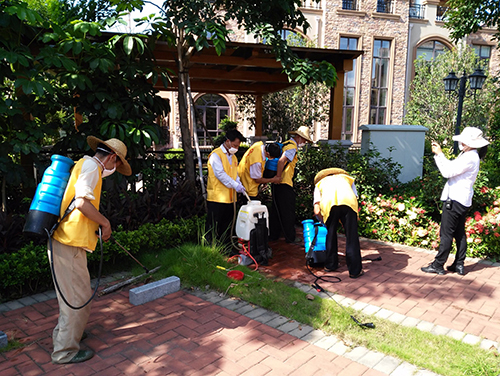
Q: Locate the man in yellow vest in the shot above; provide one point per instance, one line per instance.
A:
(251, 167)
(223, 183)
(335, 199)
(282, 213)
(75, 236)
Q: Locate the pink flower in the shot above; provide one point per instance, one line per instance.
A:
(412, 197)
(391, 189)
(477, 216)
(496, 234)
(374, 231)
(477, 240)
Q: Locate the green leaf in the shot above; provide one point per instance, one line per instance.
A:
(147, 139)
(136, 136)
(128, 44)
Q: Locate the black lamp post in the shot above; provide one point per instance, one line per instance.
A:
(476, 81)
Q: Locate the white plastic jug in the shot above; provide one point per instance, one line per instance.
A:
(248, 217)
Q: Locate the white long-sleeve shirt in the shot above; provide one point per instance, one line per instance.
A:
(461, 173)
(219, 172)
(256, 168)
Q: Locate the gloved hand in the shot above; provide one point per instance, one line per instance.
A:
(240, 188)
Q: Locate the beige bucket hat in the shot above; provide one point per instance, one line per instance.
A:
(118, 147)
(327, 172)
(303, 132)
(472, 137)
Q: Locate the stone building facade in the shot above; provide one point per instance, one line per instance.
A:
(391, 34)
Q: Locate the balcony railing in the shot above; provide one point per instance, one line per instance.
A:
(311, 4)
(350, 4)
(384, 6)
(417, 11)
(441, 13)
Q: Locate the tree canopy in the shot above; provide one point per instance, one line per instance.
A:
(465, 17)
(192, 25)
(432, 107)
(61, 83)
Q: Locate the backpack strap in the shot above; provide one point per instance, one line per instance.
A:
(69, 209)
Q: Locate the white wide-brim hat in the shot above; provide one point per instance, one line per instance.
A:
(472, 137)
(303, 132)
(118, 147)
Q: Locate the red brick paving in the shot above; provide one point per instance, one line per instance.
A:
(176, 335)
(182, 334)
(466, 303)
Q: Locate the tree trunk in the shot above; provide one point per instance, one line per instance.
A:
(184, 125)
(183, 72)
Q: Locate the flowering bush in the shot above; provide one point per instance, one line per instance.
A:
(483, 232)
(403, 220)
(397, 219)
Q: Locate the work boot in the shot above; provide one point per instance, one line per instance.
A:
(459, 268)
(433, 269)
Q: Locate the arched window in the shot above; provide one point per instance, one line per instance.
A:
(210, 109)
(431, 49)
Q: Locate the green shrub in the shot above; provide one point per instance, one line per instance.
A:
(28, 271)
(373, 174)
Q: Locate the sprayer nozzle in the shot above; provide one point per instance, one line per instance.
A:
(369, 325)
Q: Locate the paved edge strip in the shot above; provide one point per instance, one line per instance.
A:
(371, 359)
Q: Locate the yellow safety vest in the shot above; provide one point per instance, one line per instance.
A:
(216, 191)
(252, 156)
(289, 170)
(76, 229)
(336, 190)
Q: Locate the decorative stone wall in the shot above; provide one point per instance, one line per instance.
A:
(367, 25)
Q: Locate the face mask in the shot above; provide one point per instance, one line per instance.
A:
(231, 150)
(107, 172)
(301, 144)
(461, 146)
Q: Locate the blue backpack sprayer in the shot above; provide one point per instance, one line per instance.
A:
(44, 213)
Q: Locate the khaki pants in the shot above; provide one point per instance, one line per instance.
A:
(73, 278)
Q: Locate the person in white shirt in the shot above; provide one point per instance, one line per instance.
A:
(461, 173)
(223, 183)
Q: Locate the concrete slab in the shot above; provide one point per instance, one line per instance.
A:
(151, 291)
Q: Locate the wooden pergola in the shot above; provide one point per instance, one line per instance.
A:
(252, 69)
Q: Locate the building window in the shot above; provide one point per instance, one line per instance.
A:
(350, 4)
(380, 81)
(349, 101)
(417, 9)
(431, 49)
(291, 37)
(483, 53)
(441, 13)
(210, 110)
(385, 6)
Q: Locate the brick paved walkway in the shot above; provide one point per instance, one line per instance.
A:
(468, 303)
(202, 333)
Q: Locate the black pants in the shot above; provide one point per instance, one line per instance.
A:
(349, 219)
(218, 223)
(452, 227)
(282, 213)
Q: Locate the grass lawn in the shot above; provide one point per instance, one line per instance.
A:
(196, 266)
